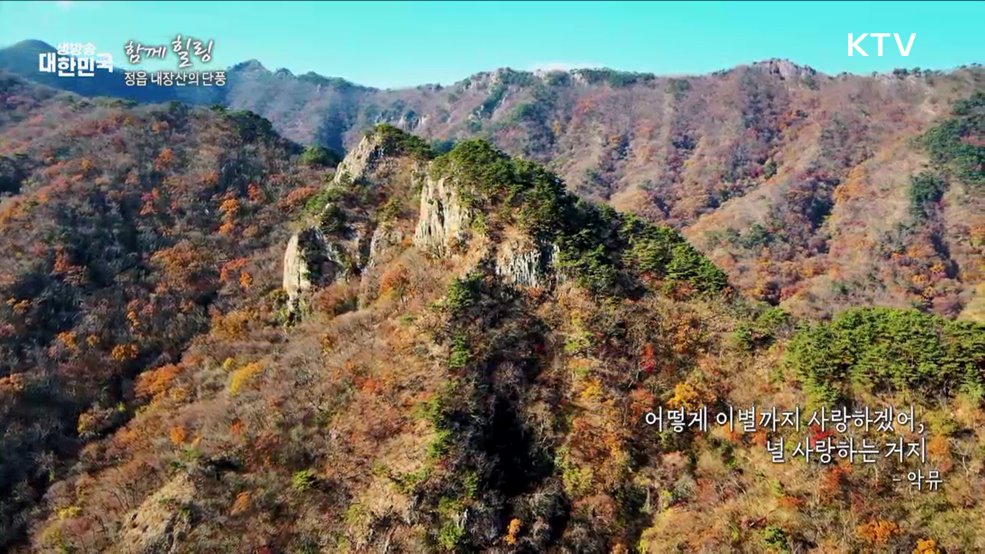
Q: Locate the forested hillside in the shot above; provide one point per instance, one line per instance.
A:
(812, 191)
(216, 340)
(126, 232)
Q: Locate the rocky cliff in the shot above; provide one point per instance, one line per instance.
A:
(444, 220)
(311, 259)
(454, 397)
(447, 225)
(525, 263)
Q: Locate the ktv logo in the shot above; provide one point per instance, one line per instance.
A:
(855, 43)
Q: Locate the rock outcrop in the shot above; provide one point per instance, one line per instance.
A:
(159, 523)
(447, 225)
(310, 259)
(363, 160)
(526, 264)
(444, 219)
(785, 69)
(384, 238)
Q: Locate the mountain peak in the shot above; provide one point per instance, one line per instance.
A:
(785, 68)
(249, 65)
(22, 57)
(334, 82)
(30, 45)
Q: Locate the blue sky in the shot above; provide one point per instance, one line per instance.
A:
(403, 44)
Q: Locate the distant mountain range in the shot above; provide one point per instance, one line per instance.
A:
(798, 183)
(22, 59)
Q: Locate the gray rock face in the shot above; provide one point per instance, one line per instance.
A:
(360, 160)
(310, 260)
(786, 69)
(444, 227)
(526, 265)
(444, 219)
(295, 269)
(384, 237)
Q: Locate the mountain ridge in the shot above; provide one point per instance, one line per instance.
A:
(771, 147)
(245, 345)
(774, 64)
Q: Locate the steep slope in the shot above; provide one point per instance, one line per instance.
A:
(469, 355)
(124, 232)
